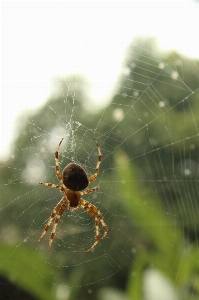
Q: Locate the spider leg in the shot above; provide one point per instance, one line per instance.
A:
(56, 208)
(97, 237)
(89, 191)
(58, 174)
(60, 212)
(93, 211)
(98, 163)
(53, 186)
(90, 212)
(97, 211)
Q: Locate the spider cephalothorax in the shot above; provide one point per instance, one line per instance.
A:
(73, 180)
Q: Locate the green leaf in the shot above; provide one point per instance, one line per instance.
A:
(27, 269)
(162, 235)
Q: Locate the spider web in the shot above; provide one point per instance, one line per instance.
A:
(149, 137)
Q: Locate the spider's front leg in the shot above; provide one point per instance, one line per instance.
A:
(58, 174)
(93, 177)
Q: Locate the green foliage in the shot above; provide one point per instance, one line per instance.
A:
(27, 269)
(154, 117)
(164, 248)
(160, 231)
(149, 202)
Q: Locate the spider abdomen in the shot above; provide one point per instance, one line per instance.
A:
(74, 177)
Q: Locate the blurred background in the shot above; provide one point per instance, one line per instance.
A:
(127, 74)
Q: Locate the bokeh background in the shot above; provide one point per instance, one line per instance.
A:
(127, 74)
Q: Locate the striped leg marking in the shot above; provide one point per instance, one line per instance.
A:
(51, 218)
(58, 174)
(89, 191)
(93, 211)
(98, 163)
(62, 209)
(101, 220)
(53, 186)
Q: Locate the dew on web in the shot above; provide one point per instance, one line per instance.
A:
(148, 183)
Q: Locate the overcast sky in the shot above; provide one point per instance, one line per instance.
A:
(41, 39)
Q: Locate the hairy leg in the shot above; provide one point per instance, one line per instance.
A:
(58, 174)
(89, 191)
(93, 177)
(53, 186)
(61, 210)
(88, 209)
(57, 207)
(98, 212)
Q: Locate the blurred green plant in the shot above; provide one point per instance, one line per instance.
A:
(164, 247)
(27, 269)
(153, 117)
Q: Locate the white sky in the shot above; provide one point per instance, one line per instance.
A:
(41, 39)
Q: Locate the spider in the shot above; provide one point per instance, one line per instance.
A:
(72, 181)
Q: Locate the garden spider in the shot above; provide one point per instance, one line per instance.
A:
(73, 180)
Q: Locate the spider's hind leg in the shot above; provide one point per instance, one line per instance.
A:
(60, 212)
(95, 213)
(105, 227)
(90, 212)
(57, 207)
